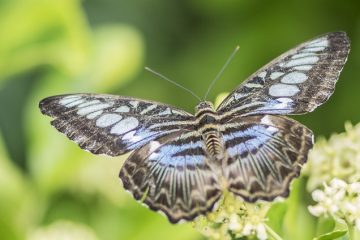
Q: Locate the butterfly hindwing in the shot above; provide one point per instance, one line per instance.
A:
(173, 175)
(112, 125)
(294, 83)
(265, 153)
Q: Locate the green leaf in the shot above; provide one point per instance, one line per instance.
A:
(340, 230)
(276, 216)
(332, 235)
(298, 215)
(325, 225)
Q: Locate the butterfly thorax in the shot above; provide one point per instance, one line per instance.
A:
(208, 127)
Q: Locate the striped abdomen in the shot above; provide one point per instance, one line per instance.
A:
(209, 130)
(214, 144)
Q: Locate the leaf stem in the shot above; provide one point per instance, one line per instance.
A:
(272, 233)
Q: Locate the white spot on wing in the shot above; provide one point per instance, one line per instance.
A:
(283, 102)
(275, 75)
(148, 109)
(266, 120)
(124, 126)
(319, 43)
(68, 99)
(134, 104)
(85, 104)
(93, 108)
(108, 119)
(74, 103)
(283, 90)
(167, 111)
(262, 74)
(94, 114)
(301, 55)
(253, 85)
(122, 109)
(130, 136)
(239, 95)
(303, 67)
(154, 145)
(294, 78)
(302, 61)
(313, 49)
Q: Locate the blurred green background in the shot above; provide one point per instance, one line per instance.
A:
(50, 186)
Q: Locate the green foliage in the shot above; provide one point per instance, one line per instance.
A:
(50, 186)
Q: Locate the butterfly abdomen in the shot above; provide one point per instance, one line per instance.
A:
(209, 129)
(214, 145)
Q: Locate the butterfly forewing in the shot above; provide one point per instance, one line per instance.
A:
(173, 175)
(112, 125)
(265, 153)
(294, 83)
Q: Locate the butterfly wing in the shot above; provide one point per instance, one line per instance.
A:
(112, 125)
(172, 175)
(294, 83)
(265, 153)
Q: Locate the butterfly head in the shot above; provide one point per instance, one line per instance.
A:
(204, 106)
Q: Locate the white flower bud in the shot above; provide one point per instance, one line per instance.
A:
(329, 190)
(333, 208)
(318, 195)
(317, 210)
(349, 207)
(338, 183)
(339, 195)
(247, 229)
(234, 223)
(354, 188)
(261, 231)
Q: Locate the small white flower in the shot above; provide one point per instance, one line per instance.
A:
(317, 210)
(261, 231)
(234, 217)
(354, 188)
(338, 183)
(349, 207)
(318, 195)
(234, 223)
(339, 195)
(247, 230)
(333, 208)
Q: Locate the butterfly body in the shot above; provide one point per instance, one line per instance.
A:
(182, 163)
(208, 127)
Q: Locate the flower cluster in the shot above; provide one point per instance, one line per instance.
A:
(234, 218)
(340, 200)
(339, 157)
(334, 176)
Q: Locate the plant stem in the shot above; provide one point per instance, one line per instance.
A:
(272, 233)
(353, 234)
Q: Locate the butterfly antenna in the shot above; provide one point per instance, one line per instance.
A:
(221, 71)
(171, 81)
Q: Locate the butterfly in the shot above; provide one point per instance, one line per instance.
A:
(182, 163)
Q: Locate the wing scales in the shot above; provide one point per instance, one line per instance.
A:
(294, 83)
(265, 153)
(112, 125)
(172, 174)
